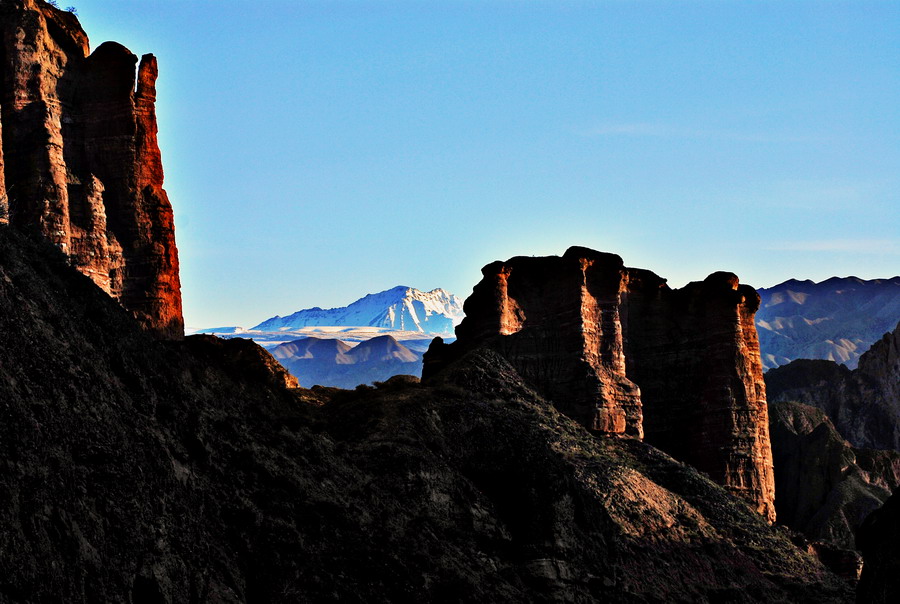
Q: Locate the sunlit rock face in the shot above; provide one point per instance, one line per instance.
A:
(80, 161)
(559, 323)
(625, 355)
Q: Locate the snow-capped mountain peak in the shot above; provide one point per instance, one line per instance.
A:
(400, 308)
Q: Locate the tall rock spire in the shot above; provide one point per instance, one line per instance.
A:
(80, 160)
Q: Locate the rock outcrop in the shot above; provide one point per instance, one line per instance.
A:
(80, 160)
(863, 403)
(622, 353)
(135, 470)
(826, 487)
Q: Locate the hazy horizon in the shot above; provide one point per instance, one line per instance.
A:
(318, 151)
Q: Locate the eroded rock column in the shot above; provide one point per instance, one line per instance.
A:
(623, 354)
(557, 322)
(80, 162)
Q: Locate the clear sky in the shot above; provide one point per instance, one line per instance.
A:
(318, 151)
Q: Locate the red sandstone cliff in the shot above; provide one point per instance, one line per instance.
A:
(80, 161)
(624, 354)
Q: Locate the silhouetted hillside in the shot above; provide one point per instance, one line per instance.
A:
(136, 470)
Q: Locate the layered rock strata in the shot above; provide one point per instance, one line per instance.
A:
(80, 160)
(622, 353)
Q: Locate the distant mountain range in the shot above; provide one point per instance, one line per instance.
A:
(405, 313)
(332, 362)
(837, 319)
(400, 309)
(359, 343)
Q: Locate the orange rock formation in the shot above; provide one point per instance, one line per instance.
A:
(622, 353)
(80, 161)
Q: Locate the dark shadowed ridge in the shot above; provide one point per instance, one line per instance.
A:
(863, 403)
(826, 487)
(136, 470)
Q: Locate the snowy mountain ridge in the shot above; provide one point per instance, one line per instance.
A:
(400, 308)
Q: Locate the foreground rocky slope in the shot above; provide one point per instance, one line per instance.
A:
(80, 162)
(623, 354)
(837, 319)
(863, 403)
(144, 471)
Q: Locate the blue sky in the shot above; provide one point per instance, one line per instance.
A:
(318, 151)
